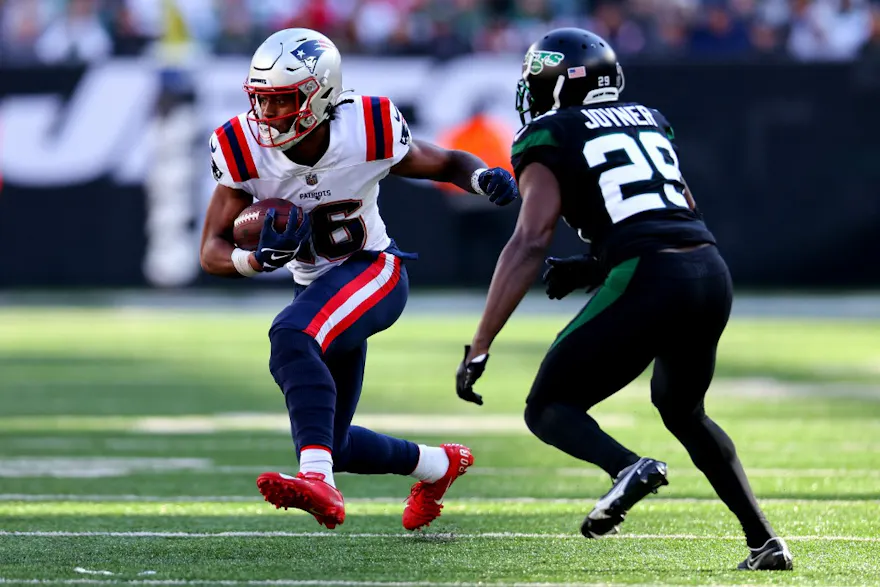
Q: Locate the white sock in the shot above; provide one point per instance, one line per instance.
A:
(317, 460)
(433, 464)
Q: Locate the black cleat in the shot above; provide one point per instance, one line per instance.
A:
(632, 484)
(773, 556)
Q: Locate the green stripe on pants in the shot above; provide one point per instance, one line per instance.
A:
(615, 284)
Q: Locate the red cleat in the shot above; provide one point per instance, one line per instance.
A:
(426, 499)
(307, 492)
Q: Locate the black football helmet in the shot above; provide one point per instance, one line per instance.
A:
(567, 67)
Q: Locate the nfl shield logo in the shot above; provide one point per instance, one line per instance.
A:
(312, 178)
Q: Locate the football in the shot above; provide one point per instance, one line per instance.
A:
(246, 228)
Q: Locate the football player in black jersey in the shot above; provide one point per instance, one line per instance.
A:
(609, 168)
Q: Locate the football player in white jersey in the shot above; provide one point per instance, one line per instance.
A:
(306, 141)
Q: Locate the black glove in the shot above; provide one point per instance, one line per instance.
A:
(564, 275)
(467, 374)
(278, 249)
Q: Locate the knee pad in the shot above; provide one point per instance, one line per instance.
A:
(290, 348)
(660, 395)
(674, 413)
(664, 406)
(534, 416)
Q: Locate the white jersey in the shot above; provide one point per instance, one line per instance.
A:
(341, 192)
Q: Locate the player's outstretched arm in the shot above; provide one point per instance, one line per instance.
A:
(517, 267)
(216, 249)
(428, 161)
(523, 256)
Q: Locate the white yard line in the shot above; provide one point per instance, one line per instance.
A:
(113, 466)
(94, 466)
(420, 423)
(498, 423)
(391, 500)
(587, 471)
(294, 583)
(410, 536)
(107, 498)
(593, 472)
(83, 571)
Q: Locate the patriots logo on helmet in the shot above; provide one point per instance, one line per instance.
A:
(309, 52)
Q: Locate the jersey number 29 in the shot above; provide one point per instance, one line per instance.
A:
(640, 168)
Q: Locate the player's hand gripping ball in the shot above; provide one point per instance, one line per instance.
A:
(247, 227)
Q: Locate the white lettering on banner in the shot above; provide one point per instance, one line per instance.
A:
(108, 129)
(48, 143)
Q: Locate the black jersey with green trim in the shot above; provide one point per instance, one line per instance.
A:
(618, 174)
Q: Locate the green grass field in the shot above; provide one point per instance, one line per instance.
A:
(130, 441)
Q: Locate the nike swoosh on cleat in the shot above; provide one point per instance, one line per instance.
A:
(608, 500)
(598, 515)
(440, 501)
(755, 562)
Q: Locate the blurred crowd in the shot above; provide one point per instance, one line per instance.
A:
(76, 31)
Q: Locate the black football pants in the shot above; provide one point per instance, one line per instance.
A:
(666, 307)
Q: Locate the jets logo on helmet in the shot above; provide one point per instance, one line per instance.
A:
(537, 60)
(309, 52)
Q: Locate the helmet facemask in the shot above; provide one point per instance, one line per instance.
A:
(529, 102)
(523, 101)
(301, 119)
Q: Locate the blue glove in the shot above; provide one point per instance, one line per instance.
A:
(499, 185)
(278, 249)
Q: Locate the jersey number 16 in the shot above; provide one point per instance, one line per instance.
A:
(640, 168)
(336, 232)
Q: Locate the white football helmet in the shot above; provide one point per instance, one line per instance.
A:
(298, 64)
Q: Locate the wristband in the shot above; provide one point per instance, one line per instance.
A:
(475, 181)
(242, 265)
